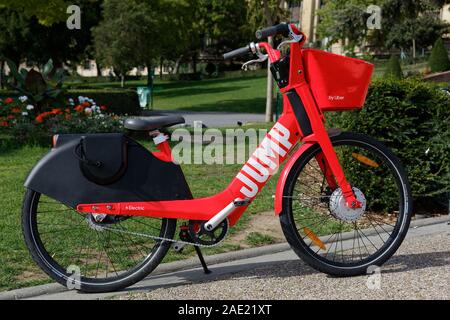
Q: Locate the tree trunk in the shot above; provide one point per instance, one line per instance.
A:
(177, 65)
(414, 49)
(149, 75)
(122, 80)
(99, 69)
(161, 68)
(269, 97)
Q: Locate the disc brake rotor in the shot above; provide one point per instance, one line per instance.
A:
(200, 235)
(339, 209)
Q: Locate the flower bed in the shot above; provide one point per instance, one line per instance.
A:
(21, 123)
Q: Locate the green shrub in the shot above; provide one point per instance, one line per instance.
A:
(439, 61)
(393, 68)
(43, 91)
(413, 119)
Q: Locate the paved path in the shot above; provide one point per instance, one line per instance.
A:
(419, 270)
(217, 119)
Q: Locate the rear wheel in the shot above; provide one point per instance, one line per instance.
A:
(323, 231)
(92, 253)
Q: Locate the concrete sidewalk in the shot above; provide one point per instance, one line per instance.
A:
(215, 119)
(427, 245)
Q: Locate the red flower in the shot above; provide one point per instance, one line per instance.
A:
(86, 104)
(67, 110)
(9, 100)
(3, 124)
(10, 117)
(41, 117)
(79, 108)
(16, 110)
(103, 108)
(56, 111)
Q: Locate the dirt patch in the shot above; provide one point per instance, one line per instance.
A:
(31, 275)
(266, 223)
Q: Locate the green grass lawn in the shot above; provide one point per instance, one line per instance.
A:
(16, 267)
(245, 93)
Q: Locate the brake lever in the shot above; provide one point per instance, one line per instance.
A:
(255, 50)
(261, 59)
(293, 38)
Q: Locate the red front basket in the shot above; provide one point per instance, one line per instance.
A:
(337, 83)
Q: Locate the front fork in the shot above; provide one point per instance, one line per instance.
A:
(331, 166)
(327, 159)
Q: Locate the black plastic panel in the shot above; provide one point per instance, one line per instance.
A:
(280, 71)
(300, 112)
(147, 178)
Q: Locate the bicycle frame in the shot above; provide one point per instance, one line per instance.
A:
(301, 121)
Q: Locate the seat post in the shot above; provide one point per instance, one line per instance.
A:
(162, 144)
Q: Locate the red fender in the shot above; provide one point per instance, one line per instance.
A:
(284, 174)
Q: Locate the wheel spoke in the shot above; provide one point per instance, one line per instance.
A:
(93, 246)
(310, 196)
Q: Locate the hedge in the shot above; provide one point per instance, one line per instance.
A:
(393, 68)
(118, 101)
(439, 60)
(412, 118)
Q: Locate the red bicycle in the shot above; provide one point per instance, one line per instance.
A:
(106, 207)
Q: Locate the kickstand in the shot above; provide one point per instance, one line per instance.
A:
(184, 235)
(202, 260)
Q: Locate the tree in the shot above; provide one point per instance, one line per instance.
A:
(24, 38)
(393, 68)
(405, 23)
(411, 23)
(14, 38)
(439, 61)
(344, 20)
(47, 12)
(137, 33)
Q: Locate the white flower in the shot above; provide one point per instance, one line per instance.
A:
(81, 99)
(30, 107)
(71, 102)
(24, 113)
(23, 98)
(88, 110)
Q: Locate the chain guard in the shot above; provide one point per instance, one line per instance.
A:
(200, 235)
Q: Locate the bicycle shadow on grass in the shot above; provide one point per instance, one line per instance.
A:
(284, 269)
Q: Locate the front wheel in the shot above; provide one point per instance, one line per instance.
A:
(89, 252)
(323, 231)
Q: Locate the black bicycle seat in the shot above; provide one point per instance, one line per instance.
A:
(153, 122)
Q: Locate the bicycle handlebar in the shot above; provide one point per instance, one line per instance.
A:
(281, 28)
(237, 52)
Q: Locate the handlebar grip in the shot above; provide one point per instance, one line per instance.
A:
(281, 28)
(237, 52)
